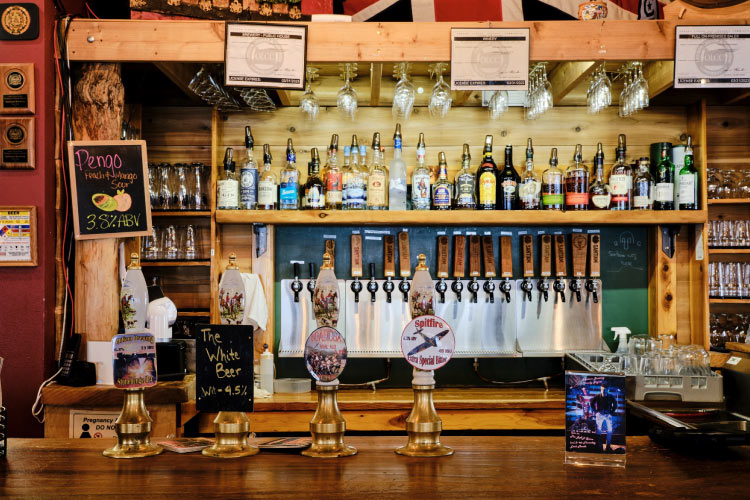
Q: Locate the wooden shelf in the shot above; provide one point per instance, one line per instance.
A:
(729, 250)
(729, 301)
(177, 263)
(193, 313)
(733, 201)
(458, 218)
(182, 213)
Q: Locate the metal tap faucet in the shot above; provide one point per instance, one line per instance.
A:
(473, 288)
(457, 288)
(505, 288)
(577, 285)
(296, 284)
(372, 285)
(592, 286)
(356, 288)
(311, 283)
(527, 286)
(543, 286)
(441, 287)
(489, 289)
(404, 287)
(388, 287)
(559, 287)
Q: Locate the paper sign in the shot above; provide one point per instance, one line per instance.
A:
(92, 424)
(325, 354)
(428, 342)
(16, 236)
(265, 55)
(134, 358)
(712, 57)
(489, 58)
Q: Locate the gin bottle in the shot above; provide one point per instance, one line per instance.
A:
(267, 195)
(134, 297)
(397, 182)
(249, 176)
(355, 182)
(314, 199)
(228, 187)
(377, 181)
(420, 180)
(332, 177)
(346, 177)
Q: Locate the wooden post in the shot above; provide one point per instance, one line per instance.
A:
(98, 101)
(662, 287)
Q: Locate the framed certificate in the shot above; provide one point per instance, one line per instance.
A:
(265, 55)
(712, 57)
(489, 58)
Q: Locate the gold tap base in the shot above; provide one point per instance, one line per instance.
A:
(231, 429)
(133, 427)
(328, 427)
(423, 427)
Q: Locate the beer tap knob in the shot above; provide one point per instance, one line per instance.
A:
(576, 285)
(296, 284)
(457, 288)
(527, 286)
(489, 289)
(505, 288)
(592, 286)
(559, 287)
(311, 283)
(356, 288)
(441, 287)
(372, 285)
(388, 287)
(473, 288)
(543, 287)
(404, 287)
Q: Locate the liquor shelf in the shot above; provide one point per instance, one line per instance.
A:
(182, 213)
(729, 301)
(733, 201)
(460, 218)
(729, 251)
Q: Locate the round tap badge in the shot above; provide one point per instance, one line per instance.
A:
(325, 354)
(428, 342)
(16, 20)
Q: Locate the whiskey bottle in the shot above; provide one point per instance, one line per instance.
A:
(599, 195)
(333, 195)
(289, 181)
(689, 180)
(487, 179)
(464, 184)
(643, 186)
(313, 191)
(508, 180)
(267, 188)
(621, 179)
(420, 180)
(249, 176)
(664, 182)
(442, 191)
(530, 189)
(397, 182)
(552, 185)
(228, 187)
(377, 181)
(577, 183)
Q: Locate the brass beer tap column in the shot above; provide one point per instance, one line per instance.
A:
(231, 429)
(328, 426)
(133, 427)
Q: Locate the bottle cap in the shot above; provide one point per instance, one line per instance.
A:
(334, 143)
(466, 154)
(420, 143)
(578, 156)
(267, 153)
(376, 141)
(441, 158)
(228, 163)
(354, 141)
(488, 141)
(689, 148)
(249, 142)
(553, 157)
(421, 259)
(135, 261)
(397, 133)
(232, 262)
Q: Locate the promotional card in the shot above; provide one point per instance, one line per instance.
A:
(134, 357)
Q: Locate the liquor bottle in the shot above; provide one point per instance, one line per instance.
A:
(267, 195)
(621, 179)
(228, 187)
(689, 180)
(249, 176)
(134, 297)
(552, 185)
(289, 181)
(507, 183)
(465, 184)
(231, 294)
(577, 183)
(420, 180)
(442, 191)
(358, 195)
(333, 195)
(377, 182)
(599, 195)
(487, 179)
(664, 188)
(346, 175)
(397, 182)
(643, 186)
(313, 191)
(530, 189)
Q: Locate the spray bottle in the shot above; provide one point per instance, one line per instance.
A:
(621, 333)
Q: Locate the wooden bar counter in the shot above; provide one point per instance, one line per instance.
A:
(482, 467)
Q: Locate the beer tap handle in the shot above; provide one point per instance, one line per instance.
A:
(372, 285)
(296, 284)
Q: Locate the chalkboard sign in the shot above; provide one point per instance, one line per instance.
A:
(109, 182)
(224, 368)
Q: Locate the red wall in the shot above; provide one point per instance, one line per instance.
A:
(27, 294)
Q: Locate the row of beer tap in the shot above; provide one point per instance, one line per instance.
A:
(586, 267)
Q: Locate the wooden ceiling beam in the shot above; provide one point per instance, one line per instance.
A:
(567, 76)
(180, 74)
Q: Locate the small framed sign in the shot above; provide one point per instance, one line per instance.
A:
(265, 55)
(18, 236)
(712, 57)
(489, 58)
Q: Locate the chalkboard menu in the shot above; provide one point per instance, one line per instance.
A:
(224, 368)
(109, 183)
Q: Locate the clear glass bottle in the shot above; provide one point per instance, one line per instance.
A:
(314, 199)
(599, 195)
(577, 183)
(507, 183)
(664, 181)
(228, 187)
(422, 292)
(689, 190)
(346, 177)
(326, 295)
(397, 180)
(552, 185)
(267, 188)
(355, 183)
(249, 176)
(487, 179)
(621, 179)
(332, 178)
(289, 181)
(231, 294)
(420, 180)
(464, 184)
(134, 297)
(377, 181)
(442, 190)
(530, 188)
(363, 173)
(643, 186)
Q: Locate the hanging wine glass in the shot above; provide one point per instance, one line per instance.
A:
(308, 104)
(498, 104)
(441, 98)
(346, 100)
(404, 94)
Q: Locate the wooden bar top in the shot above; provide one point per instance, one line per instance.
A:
(482, 467)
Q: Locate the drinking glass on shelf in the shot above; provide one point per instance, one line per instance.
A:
(746, 282)
(730, 279)
(346, 99)
(199, 186)
(170, 247)
(714, 289)
(190, 247)
(740, 233)
(404, 94)
(668, 341)
(153, 185)
(498, 104)
(308, 104)
(728, 187)
(713, 181)
(150, 244)
(441, 98)
(743, 188)
(181, 195)
(165, 186)
(712, 228)
(653, 345)
(726, 233)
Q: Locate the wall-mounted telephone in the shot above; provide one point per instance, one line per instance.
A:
(73, 372)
